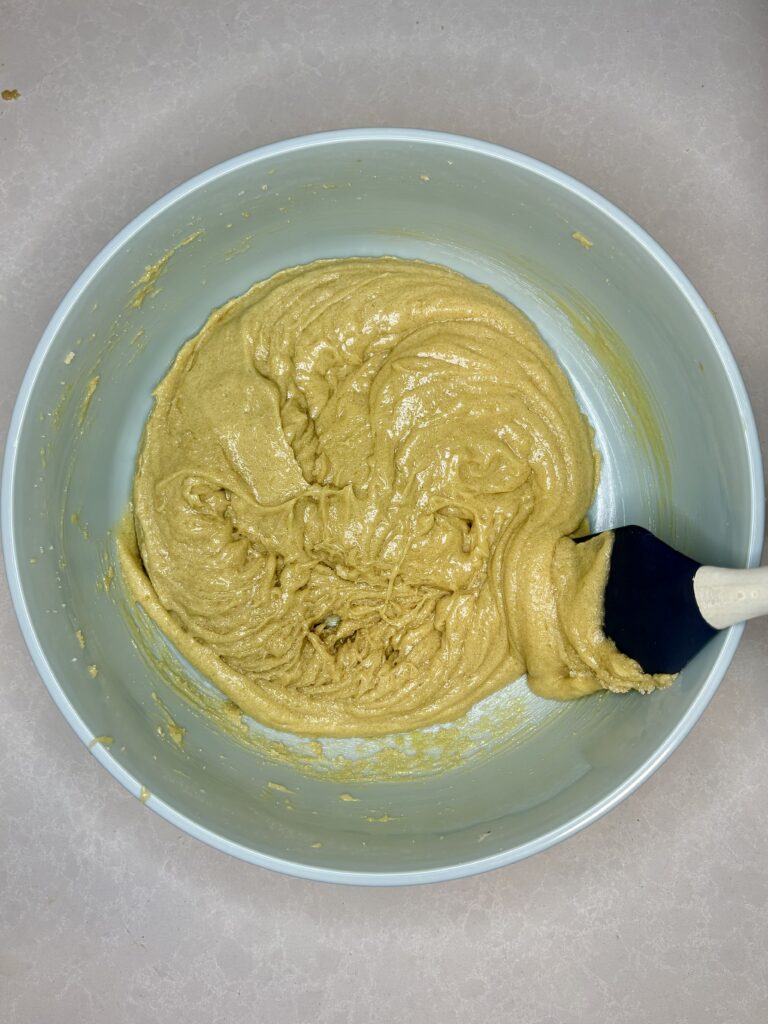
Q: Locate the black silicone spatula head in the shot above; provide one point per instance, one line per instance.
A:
(651, 613)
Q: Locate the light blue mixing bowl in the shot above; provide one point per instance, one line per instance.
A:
(648, 363)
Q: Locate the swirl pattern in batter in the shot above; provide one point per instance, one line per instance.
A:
(354, 501)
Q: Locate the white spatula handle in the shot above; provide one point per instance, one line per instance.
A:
(727, 596)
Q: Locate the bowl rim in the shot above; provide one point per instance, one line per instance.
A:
(438, 139)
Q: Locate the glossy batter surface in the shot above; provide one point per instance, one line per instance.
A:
(354, 498)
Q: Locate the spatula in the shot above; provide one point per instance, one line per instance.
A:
(662, 607)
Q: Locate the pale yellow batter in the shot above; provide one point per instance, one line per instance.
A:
(354, 499)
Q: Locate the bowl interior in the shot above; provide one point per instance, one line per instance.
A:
(671, 421)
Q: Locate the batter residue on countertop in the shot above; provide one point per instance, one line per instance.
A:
(354, 501)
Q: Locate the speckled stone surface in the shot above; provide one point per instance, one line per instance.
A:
(659, 912)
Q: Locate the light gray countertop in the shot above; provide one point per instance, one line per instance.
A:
(659, 912)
